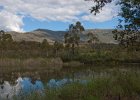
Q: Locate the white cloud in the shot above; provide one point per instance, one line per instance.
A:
(10, 21)
(107, 13)
(52, 10)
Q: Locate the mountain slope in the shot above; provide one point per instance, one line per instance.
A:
(104, 35)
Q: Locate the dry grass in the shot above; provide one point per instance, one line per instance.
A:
(7, 64)
(73, 64)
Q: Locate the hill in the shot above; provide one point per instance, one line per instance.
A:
(104, 35)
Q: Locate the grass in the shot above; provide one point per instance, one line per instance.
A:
(12, 64)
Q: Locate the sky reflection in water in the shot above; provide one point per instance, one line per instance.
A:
(25, 86)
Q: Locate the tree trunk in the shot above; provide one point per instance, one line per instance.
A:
(73, 48)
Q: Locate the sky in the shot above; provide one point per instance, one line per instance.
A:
(28, 15)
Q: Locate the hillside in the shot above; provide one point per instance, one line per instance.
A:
(104, 35)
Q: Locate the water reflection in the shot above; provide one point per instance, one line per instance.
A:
(59, 83)
(30, 82)
(23, 86)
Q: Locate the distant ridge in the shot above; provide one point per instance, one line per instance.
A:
(104, 35)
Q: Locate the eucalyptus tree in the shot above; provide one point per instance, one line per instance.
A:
(72, 36)
(92, 38)
(57, 46)
(128, 30)
(45, 45)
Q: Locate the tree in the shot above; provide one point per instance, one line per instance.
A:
(128, 30)
(45, 47)
(92, 38)
(72, 37)
(57, 46)
(5, 37)
(99, 4)
(44, 44)
(128, 34)
(6, 40)
(2, 32)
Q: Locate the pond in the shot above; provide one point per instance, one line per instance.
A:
(25, 86)
(26, 82)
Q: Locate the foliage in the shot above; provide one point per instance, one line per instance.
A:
(5, 40)
(99, 4)
(57, 46)
(72, 37)
(128, 34)
(44, 44)
(128, 31)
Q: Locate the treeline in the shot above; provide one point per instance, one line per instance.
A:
(71, 50)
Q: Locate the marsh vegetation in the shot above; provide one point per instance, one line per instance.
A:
(109, 71)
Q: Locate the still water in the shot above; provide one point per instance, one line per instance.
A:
(26, 82)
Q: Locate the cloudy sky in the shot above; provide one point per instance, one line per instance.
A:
(27, 15)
